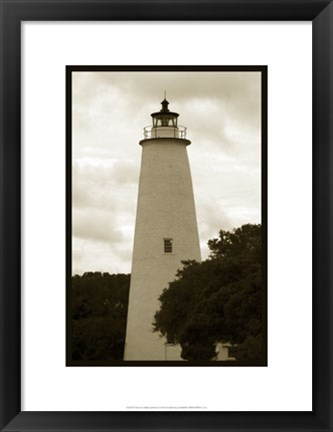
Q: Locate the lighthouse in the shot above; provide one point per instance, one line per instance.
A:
(166, 232)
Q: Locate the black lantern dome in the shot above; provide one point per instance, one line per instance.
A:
(165, 117)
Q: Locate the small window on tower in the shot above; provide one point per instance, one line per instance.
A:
(168, 245)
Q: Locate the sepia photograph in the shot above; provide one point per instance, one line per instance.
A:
(166, 198)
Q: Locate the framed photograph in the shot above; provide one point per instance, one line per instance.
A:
(137, 305)
(166, 201)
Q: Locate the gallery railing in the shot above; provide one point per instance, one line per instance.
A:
(150, 132)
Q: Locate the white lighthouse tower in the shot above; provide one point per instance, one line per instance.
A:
(165, 233)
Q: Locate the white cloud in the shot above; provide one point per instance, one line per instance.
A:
(222, 113)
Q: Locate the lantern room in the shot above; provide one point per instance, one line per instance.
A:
(165, 117)
(165, 124)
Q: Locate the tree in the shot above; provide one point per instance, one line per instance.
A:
(98, 306)
(218, 300)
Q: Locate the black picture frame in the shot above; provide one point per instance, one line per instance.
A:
(13, 12)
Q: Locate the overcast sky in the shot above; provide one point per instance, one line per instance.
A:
(222, 113)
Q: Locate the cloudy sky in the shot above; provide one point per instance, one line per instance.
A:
(222, 113)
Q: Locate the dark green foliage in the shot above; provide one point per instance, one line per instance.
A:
(244, 241)
(99, 304)
(218, 300)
